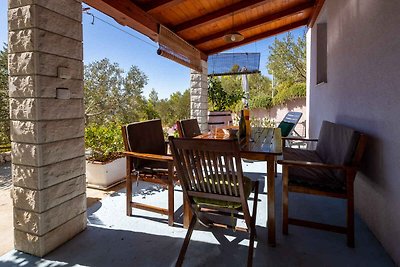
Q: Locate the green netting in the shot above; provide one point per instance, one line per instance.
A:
(233, 63)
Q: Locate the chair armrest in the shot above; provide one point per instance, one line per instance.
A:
(310, 164)
(155, 157)
(299, 139)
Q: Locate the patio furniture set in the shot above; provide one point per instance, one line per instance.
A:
(208, 168)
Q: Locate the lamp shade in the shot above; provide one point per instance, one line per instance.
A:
(232, 37)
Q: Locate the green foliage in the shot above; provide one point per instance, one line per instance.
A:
(262, 122)
(287, 63)
(4, 106)
(221, 99)
(109, 95)
(5, 148)
(175, 108)
(105, 141)
(287, 59)
(289, 91)
(260, 101)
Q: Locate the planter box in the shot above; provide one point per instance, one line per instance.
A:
(105, 175)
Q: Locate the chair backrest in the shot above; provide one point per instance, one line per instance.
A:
(289, 122)
(188, 128)
(144, 137)
(209, 168)
(337, 144)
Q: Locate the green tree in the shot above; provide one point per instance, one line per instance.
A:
(287, 64)
(260, 91)
(102, 87)
(4, 105)
(223, 98)
(175, 108)
(109, 96)
(133, 104)
(287, 59)
(150, 109)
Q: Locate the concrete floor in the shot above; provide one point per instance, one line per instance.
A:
(145, 239)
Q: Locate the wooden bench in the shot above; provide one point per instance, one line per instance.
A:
(329, 170)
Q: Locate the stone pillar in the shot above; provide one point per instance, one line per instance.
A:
(199, 96)
(47, 123)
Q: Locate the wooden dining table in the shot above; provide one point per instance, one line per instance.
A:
(263, 144)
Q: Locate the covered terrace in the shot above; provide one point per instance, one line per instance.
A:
(357, 55)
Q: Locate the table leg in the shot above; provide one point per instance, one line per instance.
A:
(271, 200)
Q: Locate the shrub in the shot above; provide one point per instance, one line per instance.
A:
(260, 101)
(104, 141)
(219, 98)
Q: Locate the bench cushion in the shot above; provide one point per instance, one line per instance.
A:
(317, 178)
(336, 143)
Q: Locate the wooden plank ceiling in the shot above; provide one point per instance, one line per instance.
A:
(203, 23)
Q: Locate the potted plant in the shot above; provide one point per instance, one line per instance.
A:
(220, 100)
(105, 164)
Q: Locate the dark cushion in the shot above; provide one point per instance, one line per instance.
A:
(226, 204)
(317, 178)
(336, 143)
(286, 128)
(190, 128)
(146, 137)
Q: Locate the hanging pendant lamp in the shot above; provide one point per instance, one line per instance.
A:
(233, 36)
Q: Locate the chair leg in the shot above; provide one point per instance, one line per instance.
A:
(350, 215)
(285, 199)
(253, 226)
(185, 244)
(128, 195)
(171, 204)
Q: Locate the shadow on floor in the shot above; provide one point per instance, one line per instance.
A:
(145, 239)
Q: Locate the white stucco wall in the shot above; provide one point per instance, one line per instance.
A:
(363, 91)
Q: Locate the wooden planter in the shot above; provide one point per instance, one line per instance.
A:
(101, 175)
(219, 118)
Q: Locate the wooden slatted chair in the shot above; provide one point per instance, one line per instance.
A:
(147, 160)
(188, 128)
(329, 170)
(210, 173)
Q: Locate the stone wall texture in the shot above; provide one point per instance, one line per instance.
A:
(45, 54)
(199, 96)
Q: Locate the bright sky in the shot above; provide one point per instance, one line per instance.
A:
(101, 40)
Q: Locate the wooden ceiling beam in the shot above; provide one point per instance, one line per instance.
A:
(257, 37)
(318, 6)
(156, 5)
(127, 13)
(218, 14)
(257, 22)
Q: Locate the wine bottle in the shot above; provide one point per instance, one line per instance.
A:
(242, 126)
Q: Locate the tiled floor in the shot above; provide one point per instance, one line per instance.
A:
(145, 239)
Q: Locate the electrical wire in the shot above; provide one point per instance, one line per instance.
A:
(118, 28)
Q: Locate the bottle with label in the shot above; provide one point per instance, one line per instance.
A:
(242, 126)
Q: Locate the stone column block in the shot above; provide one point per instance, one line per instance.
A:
(38, 178)
(43, 86)
(41, 223)
(38, 155)
(43, 41)
(45, 109)
(41, 245)
(40, 201)
(31, 63)
(25, 8)
(50, 131)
